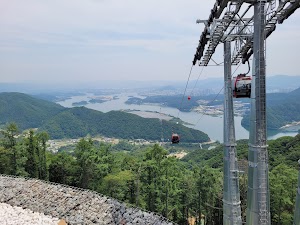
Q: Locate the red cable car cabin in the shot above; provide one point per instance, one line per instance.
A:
(175, 138)
(241, 86)
(189, 97)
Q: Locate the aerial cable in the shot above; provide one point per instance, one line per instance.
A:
(197, 81)
(216, 96)
(161, 124)
(208, 103)
(213, 207)
(185, 90)
(248, 68)
(217, 64)
(238, 67)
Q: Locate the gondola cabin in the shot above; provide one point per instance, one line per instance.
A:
(175, 138)
(189, 97)
(241, 86)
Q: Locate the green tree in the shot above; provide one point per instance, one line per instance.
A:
(5, 165)
(82, 153)
(9, 142)
(152, 178)
(117, 185)
(283, 183)
(32, 164)
(94, 163)
(63, 169)
(171, 178)
(208, 184)
(42, 139)
(186, 197)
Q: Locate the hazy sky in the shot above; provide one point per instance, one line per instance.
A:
(93, 40)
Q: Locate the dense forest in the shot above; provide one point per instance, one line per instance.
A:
(146, 177)
(78, 122)
(59, 122)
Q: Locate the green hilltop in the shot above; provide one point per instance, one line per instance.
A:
(26, 111)
(282, 108)
(60, 122)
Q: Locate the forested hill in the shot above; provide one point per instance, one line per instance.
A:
(80, 121)
(284, 150)
(282, 108)
(60, 122)
(26, 111)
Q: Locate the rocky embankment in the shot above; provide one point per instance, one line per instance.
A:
(14, 215)
(75, 206)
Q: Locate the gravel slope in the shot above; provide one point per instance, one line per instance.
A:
(13, 215)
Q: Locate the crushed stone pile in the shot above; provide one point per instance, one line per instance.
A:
(73, 205)
(14, 215)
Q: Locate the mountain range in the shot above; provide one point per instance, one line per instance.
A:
(277, 83)
(60, 122)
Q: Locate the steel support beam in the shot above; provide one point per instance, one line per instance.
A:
(258, 199)
(231, 193)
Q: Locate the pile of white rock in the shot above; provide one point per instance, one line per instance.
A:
(75, 206)
(13, 215)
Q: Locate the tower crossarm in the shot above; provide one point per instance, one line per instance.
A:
(228, 28)
(215, 29)
(285, 9)
(219, 29)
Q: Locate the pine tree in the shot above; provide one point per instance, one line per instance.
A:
(10, 134)
(42, 138)
(31, 166)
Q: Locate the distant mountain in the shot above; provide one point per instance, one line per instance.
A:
(60, 122)
(25, 110)
(282, 108)
(278, 83)
(57, 96)
(275, 84)
(295, 92)
(282, 83)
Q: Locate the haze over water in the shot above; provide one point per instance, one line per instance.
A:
(212, 125)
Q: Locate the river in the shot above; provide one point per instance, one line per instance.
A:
(212, 125)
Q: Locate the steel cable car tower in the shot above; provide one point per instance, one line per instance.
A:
(231, 193)
(248, 36)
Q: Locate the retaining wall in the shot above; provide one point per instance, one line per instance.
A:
(74, 205)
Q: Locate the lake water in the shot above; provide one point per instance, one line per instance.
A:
(211, 125)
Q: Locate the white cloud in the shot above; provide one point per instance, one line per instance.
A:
(149, 36)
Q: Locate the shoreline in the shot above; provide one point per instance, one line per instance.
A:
(292, 127)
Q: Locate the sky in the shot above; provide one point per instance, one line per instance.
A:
(95, 40)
